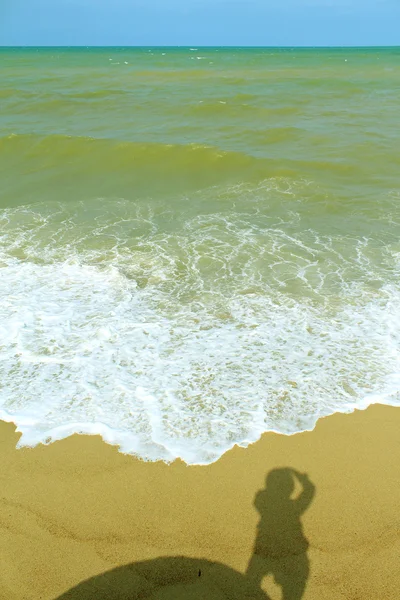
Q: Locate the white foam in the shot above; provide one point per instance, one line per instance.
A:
(182, 343)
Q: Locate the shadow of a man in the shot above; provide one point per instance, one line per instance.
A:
(281, 547)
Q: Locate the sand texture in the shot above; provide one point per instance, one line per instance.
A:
(315, 516)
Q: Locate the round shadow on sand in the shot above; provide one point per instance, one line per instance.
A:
(280, 550)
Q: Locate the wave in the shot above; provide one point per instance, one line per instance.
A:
(232, 107)
(101, 167)
(173, 334)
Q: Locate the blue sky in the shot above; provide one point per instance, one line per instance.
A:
(200, 22)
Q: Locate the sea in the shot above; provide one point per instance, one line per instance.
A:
(197, 245)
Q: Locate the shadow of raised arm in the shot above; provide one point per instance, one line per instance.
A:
(306, 496)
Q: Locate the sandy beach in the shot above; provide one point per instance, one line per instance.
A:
(77, 509)
(199, 244)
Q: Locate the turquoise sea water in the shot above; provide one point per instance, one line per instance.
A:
(197, 245)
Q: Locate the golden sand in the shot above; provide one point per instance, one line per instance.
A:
(77, 509)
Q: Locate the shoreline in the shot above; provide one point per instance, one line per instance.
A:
(77, 508)
(103, 432)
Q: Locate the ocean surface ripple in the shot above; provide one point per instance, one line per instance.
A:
(193, 255)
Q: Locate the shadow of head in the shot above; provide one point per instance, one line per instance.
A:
(279, 550)
(280, 482)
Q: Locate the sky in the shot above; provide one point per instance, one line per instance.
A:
(199, 22)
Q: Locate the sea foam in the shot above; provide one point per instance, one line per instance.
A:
(189, 339)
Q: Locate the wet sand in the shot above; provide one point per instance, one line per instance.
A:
(77, 509)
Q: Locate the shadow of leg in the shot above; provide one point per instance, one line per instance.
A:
(291, 574)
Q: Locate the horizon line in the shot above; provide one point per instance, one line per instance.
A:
(197, 46)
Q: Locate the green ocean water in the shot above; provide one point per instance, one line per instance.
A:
(197, 244)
